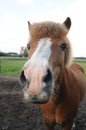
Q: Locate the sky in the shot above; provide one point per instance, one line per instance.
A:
(14, 15)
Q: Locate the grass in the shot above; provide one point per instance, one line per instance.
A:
(13, 67)
(83, 64)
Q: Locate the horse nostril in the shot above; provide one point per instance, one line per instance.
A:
(22, 78)
(48, 76)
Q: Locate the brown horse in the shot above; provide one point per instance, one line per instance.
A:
(49, 77)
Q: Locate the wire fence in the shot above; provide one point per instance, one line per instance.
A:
(3, 59)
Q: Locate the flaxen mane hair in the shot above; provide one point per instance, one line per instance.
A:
(52, 30)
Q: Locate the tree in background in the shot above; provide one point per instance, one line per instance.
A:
(23, 51)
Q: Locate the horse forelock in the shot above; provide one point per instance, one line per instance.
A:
(47, 29)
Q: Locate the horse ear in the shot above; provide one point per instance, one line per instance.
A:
(67, 23)
(29, 25)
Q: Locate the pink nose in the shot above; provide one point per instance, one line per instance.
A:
(35, 78)
(37, 84)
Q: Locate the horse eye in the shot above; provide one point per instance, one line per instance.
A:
(28, 46)
(63, 46)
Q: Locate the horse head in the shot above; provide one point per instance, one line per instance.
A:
(50, 52)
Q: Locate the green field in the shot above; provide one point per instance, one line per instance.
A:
(13, 67)
(83, 64)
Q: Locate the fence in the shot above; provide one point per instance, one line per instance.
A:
(3, 59)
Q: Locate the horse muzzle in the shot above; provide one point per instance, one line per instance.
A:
(38, 87)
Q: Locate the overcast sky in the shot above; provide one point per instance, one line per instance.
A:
(14, 15)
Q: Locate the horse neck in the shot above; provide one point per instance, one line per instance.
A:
(58, 88)
(67, 89)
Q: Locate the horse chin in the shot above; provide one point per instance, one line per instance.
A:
(40, 101)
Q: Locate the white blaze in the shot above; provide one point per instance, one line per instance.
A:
(41, 55)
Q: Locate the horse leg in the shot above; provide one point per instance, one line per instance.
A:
(50, 127)
(68, 126)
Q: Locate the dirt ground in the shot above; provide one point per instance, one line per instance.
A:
(16, 114)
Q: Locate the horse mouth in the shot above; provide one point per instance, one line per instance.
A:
(37, 99)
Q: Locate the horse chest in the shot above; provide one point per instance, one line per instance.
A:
(48, 113)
